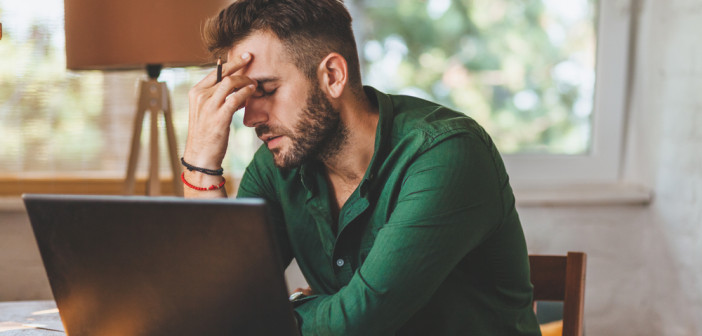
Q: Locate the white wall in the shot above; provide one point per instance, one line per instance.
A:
(22, 275)
(645, 262)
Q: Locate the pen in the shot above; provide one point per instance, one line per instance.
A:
(219, 70)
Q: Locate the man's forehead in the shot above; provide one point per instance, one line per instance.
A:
(268, 55)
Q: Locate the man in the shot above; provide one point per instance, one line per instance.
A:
(398, 210)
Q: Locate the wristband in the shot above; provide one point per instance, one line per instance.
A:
(216, 172)
(212, 187)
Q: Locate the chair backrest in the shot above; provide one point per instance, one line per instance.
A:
(561, 278)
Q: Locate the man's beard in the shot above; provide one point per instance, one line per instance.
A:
(319, 134)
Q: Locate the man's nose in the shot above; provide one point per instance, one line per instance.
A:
(255, 113)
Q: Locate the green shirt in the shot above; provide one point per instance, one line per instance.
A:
(429, 243)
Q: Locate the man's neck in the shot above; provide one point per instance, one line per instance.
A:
(350, 163)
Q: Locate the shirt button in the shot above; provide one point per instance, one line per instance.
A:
(340, 262)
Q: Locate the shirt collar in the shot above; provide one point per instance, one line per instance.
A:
(382, 135)
(382, 144)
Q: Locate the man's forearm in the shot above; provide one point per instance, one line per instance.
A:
(213, 103)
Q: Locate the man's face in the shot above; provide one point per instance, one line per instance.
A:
(290, 113)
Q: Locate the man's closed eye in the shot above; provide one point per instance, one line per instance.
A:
(260, 92)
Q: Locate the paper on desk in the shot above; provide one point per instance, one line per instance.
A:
(9, 326)
(45, 319)
(48, 325)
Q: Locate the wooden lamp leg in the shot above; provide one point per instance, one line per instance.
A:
(154, 98)
(136, 139)
(153, 186)
(172, 145)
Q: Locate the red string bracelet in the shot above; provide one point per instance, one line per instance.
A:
(212, 187)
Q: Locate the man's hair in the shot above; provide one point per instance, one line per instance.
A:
(309, 30)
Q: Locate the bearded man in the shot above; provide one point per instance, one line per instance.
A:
(398, 210)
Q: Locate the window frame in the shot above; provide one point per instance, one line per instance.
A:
(602, 164)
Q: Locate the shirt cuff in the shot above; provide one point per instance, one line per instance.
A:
(306, 314)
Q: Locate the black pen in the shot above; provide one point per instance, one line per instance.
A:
(219, 70)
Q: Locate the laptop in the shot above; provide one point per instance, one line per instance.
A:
(124, 265)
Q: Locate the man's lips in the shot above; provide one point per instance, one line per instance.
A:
(268, 138)
(272, 141)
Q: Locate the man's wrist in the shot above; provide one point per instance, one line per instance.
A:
(216, 172)
(202, 180)
(203, 161)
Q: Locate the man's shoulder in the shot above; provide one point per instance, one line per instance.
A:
(262, 158)
(414, 117)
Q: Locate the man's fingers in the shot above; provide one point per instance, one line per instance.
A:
(236, 100)
(228, 68)
(236, 64)
(229, 85)
(208, 81)
(306, 291)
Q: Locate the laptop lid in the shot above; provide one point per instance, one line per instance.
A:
(122, 265)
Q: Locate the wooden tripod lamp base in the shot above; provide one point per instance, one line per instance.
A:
(154, 98)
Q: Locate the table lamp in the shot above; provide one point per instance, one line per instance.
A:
(141, 34)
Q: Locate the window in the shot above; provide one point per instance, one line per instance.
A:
(72, 123)
(525, 69)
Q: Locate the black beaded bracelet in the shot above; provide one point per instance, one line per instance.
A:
(190, 167)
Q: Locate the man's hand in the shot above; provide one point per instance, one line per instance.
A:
(212, 106)
(305, 291)
(299, 295)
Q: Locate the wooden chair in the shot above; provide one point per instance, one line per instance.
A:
(561, 278)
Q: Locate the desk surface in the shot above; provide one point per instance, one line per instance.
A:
(30, 318)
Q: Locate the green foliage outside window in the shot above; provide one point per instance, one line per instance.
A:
(524, 69)
(57, 110)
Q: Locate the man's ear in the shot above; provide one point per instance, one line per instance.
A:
(333, 74)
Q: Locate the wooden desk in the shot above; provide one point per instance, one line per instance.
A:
(24, 318)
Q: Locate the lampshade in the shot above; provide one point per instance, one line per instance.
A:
(128, 34)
